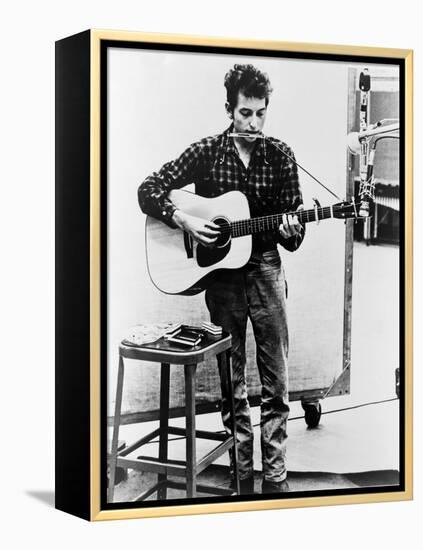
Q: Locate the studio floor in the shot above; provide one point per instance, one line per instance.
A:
(357, 440)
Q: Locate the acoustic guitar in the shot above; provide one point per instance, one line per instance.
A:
(179, 265)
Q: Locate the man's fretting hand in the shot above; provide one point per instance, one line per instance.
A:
(203, 231)
(290, 225)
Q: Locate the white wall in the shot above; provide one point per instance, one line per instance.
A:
(159, 103)
(27, 291)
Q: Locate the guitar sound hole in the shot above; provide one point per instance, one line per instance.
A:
(225, 232)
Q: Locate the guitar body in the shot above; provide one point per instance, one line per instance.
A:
(177, 264)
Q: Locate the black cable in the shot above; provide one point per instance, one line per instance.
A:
(276, 146)
(351, 408)
(298, 417)
(302, 168)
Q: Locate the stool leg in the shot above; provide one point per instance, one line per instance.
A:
(191, 454)
(164, 424)
(116, 425)
(226, 370)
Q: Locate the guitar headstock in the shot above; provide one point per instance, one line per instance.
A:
(346, 209)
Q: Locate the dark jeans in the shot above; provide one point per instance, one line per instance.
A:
(256, 292)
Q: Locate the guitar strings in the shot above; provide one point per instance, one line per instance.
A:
(259, 222)
(255, 223)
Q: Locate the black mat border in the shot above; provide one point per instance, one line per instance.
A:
(169, 47)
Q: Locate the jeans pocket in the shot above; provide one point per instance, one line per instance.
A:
(271, 257)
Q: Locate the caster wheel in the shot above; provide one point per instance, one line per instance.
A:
(312, 414)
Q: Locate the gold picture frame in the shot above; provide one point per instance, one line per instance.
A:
(81, 223)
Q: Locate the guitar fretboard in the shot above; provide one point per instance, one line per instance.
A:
(240, 228)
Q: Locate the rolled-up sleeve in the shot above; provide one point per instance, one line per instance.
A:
(154, 190)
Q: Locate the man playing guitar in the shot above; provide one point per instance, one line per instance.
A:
(242, 159)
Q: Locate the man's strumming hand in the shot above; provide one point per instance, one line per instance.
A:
(203, 231)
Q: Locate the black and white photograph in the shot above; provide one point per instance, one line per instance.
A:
(252, 280)
(211, 254)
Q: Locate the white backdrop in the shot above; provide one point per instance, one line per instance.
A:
(29, 30)
(159, 103)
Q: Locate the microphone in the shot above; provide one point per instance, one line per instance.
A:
(354, 139)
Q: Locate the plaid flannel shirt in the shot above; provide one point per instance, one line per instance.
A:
(270, 182)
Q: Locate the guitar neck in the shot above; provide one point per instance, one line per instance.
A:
(240, 228)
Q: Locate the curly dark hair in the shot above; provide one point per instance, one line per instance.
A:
(250, 81)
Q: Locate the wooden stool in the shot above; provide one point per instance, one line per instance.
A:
(166, 353)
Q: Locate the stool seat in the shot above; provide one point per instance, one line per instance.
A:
(166, 353)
